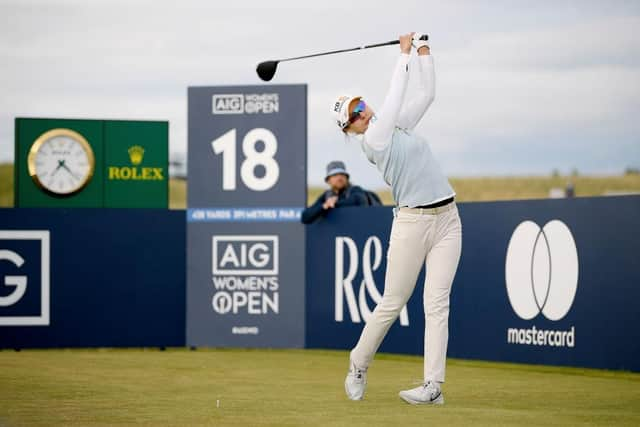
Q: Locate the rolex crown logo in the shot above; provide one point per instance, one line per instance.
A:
(136, 153)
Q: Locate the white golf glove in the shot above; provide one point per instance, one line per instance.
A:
(417, 43)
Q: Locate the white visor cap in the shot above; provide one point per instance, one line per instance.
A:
(340, 110)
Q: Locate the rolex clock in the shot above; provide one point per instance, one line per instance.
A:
(61, 162)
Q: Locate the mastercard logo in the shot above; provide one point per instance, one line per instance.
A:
(541, 270)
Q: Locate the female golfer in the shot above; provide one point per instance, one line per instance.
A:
(426, 227)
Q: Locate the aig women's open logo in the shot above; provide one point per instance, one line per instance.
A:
(245, 103)
(541, 273)
(245, 274)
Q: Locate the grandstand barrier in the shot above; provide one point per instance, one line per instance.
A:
(551, 282)
(92, 278)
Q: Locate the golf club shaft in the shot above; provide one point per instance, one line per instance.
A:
(267, 69)
(392, 42)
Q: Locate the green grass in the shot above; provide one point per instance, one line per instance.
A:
(467, 189)
(295, 388)
(538, 187)
(6, 185)
(523, 187)
(177, 194)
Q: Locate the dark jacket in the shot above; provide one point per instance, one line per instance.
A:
(352, 195)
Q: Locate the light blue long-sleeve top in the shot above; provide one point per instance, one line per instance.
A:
(403, 158)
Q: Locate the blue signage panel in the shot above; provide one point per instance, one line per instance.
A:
(92, 277)
(247, 188)
(544, 281)
(346, 263)
(246, 284)
(550, 282)
(247, 146)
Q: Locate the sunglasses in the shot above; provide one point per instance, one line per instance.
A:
(355, 115)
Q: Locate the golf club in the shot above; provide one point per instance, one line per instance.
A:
(267, 69)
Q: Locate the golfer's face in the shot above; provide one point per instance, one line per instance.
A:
(360, 114)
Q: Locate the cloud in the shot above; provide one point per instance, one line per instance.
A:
(610, 41)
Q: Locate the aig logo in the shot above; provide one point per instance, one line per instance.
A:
(250, 103)
(347, 255)
(228, 104)
(541, 270)
(245, 255)
(24, 277)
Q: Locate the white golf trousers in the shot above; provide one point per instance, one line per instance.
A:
(417, 237)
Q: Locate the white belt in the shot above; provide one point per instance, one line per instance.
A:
(429, 211)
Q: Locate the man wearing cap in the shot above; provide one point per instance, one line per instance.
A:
(341, 194)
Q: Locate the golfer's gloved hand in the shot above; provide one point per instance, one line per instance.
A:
(417, 43)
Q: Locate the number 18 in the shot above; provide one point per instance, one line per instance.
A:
(226, 144)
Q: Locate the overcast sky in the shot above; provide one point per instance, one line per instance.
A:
(522, 87)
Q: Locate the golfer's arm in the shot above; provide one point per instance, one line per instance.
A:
(380, 132)
(420, 99)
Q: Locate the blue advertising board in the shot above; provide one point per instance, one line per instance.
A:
(245, 243)
(92, 277)
(542, 281)
(546, 281)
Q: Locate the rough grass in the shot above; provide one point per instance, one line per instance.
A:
(524, 187)
(295, 388)
(6, 185)
(467, 189)
(177, 194)
(537, 187)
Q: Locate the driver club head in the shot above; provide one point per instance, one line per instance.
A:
(267, 69)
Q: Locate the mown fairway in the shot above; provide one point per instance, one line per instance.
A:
(294, 388)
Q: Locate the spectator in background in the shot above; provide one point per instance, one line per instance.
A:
(569, 190)
(340, 194)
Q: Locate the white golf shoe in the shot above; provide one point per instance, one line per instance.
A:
(426, 394)
(356, 382)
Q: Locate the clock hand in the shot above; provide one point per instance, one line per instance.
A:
(60, 164)
(69, 170)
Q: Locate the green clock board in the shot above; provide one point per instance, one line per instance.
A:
(91, 163)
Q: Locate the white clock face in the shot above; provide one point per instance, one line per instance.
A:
(61, 161)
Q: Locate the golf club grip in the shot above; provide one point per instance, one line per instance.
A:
(424, 37)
